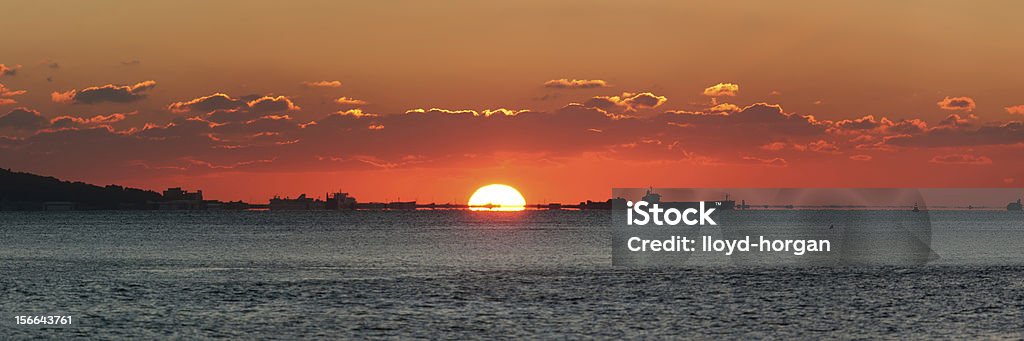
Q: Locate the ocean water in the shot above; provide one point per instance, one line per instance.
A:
(465, 275)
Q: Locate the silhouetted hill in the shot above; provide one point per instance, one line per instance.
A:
(29, 191)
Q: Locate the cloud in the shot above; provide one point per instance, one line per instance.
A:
(355, 113)
(222, 108)
(754, 125)
(869, 126)
(239, 129)
(442, 111)
(725, 107)
(104, 93)
(502, 112)
(322, 84)
(565, 83)
(820, 146)
(860, 157)
(134, 62)
(272, 104)
(23, 119)
(483, 113)
(350, 101)
(115, 117)
(628, 102)
(9, 70)
(73, 122)
(991, 133)
(1016, 109)
(868, 122)
(774, 146)
(965, 104)
(205, 104)
(961, 159)
(955, 120)
(776, 161)
(645, 100)
(722, 89)
(222, 130)
(6, 94)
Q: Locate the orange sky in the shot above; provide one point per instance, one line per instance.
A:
(597, 94)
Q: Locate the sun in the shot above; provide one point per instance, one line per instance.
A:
(497, 197)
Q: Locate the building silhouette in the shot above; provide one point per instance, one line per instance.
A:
(176, 198)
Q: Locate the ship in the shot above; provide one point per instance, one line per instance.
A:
(335, 201)
(602, 205)
(655, 198)
(302, 203)
(393, 205)
(401, 205)
(1014, 206)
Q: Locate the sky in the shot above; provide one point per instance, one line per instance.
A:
(563, 100)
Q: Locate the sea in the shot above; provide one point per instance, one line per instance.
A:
(454, 274)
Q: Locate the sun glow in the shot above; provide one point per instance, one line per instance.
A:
(497, 197)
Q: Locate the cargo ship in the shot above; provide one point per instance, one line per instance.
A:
(655, 198)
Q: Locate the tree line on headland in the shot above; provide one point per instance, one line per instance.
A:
(27, 192)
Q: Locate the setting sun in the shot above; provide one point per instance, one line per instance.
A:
(497, 197)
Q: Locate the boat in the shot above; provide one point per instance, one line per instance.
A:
(302, 203)
(655, 198)
(401, 205)
(915, 208)
(1014, 206)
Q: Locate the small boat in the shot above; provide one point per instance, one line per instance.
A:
(915, 208)
(1014, 206)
